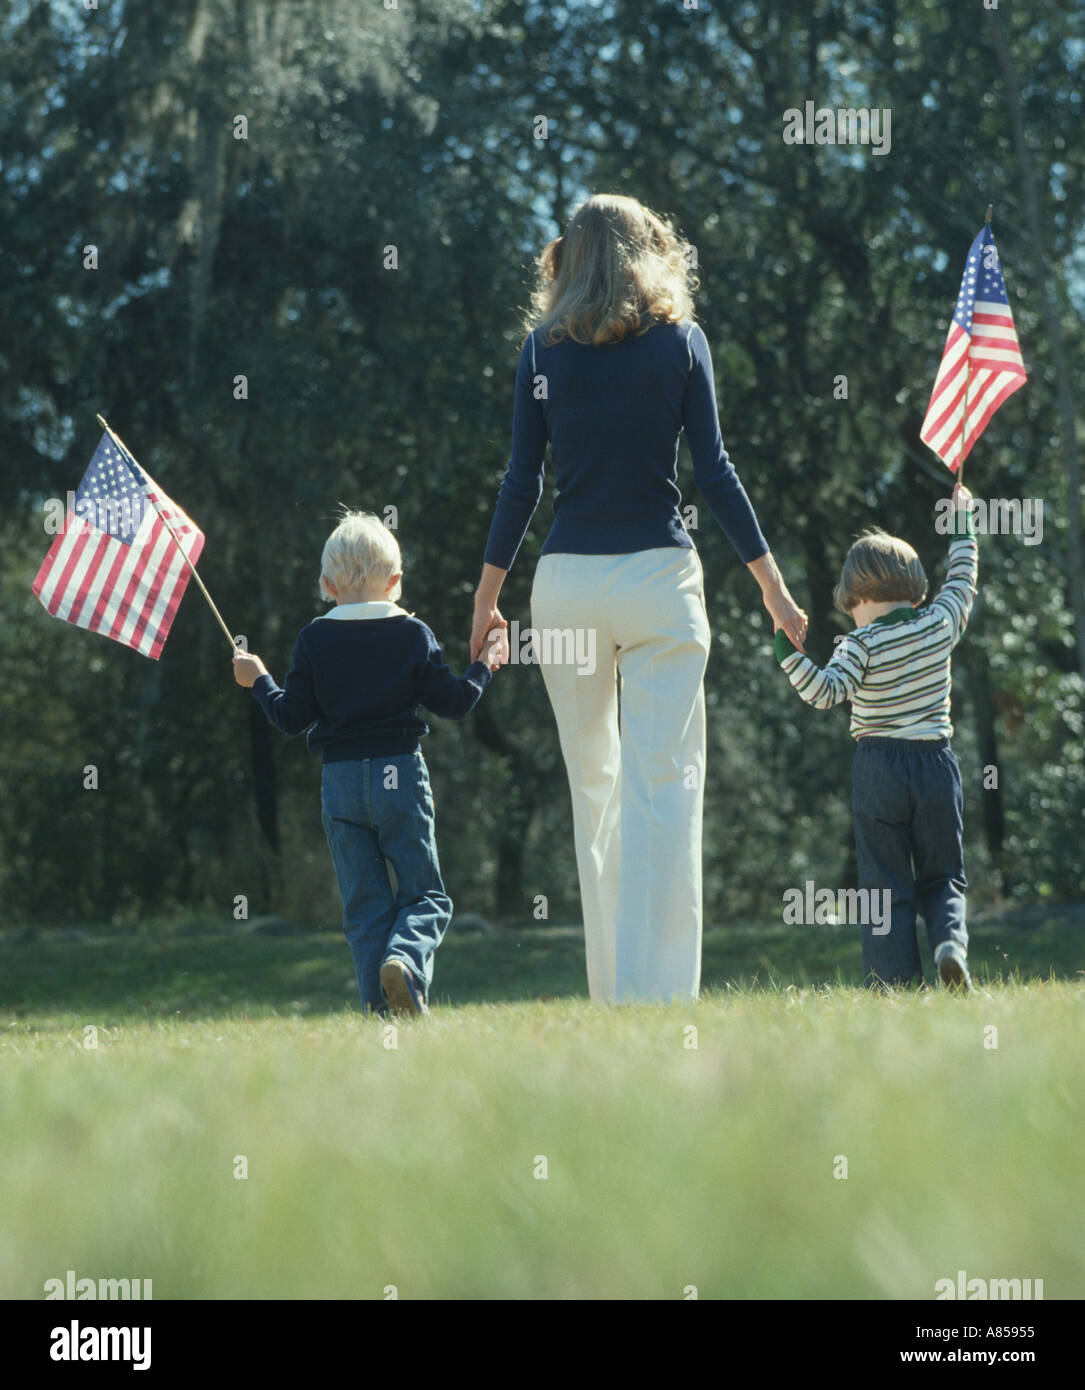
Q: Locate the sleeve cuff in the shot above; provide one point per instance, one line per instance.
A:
(500, 559)
(480, 672)
(959, 531)
(262, 685)
(784, 645)
(766, 549)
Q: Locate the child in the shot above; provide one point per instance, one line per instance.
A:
(906, 784)
(359, 673)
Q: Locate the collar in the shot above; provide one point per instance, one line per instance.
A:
(374, 608)
(907, 614)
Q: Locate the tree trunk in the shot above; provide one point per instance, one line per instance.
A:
(979, 690)
(265, 789)
(1053, 326)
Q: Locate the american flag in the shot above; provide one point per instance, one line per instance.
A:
(981, 362)
(115, 569)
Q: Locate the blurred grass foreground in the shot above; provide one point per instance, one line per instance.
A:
(207, 1110)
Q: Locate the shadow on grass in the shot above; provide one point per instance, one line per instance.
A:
(190, 971)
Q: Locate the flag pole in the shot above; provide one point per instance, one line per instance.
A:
(203, 587)
(968, 383)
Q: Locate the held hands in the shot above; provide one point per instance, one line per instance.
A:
(489, 630)
(783, 609)
(248, 668)
(496, 652)
(786, 614)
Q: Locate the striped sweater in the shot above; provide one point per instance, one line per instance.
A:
(895, 670)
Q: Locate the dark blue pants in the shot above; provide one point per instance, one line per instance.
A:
(379, 812)
(908, 808)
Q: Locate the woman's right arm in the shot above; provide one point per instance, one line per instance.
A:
(722, 489)
(783, 609)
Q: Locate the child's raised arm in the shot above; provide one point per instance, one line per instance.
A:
(957, 593)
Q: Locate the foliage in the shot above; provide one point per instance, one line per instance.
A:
(265, 257)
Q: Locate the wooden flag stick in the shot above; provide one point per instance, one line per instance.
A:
(964, 427)
(203, 587)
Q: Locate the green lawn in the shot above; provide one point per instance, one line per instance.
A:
(667, 1165)
(193, 969)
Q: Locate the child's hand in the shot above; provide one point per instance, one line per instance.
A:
(248, 668)
(496, 651)
(960, 497)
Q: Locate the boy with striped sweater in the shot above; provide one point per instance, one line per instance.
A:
(906, 784)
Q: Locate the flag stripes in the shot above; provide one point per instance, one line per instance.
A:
(981, 362)
(124, 584)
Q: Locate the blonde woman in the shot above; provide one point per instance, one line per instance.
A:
(612, 371)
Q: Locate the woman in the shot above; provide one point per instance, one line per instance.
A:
(612, 371)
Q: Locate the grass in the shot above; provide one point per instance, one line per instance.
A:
(193, 969)
(419, 1165)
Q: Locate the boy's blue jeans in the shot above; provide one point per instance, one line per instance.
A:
(908, 809)
(376, 809)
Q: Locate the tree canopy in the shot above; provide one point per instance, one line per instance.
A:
(313, 227)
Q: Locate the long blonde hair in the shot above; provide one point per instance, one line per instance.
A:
(618, 270)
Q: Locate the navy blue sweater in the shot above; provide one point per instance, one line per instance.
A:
(613, 415)
(358, 682)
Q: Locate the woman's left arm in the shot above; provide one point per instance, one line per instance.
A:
(517, 499)
(487, 617)
(522, 486)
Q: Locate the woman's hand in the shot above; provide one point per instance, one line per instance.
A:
(785, 612)
(488, 623)
(495, 653)
(788, 615)
(488, 618)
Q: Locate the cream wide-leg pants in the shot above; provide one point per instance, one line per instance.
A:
(637, 786)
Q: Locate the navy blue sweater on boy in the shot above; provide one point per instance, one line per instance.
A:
(359, 674)
(613, 415)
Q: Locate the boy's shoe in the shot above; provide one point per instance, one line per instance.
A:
(953, 973)
(401, 989)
